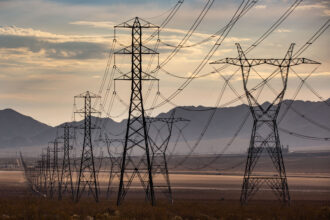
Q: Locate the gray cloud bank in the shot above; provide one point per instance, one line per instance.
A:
(55, 50)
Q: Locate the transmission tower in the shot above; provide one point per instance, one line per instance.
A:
(29, 173)
(87, 174)
(54, 171)
(47, 171)
(40, 179)
(113, 146)
(159, 148)
(265, 131)
(65, 181)
(44, 172)
(136, 138)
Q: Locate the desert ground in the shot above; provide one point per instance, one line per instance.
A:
(211, 192)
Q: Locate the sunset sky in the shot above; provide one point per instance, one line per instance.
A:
(51, 50)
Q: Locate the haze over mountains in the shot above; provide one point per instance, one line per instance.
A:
(305, 117)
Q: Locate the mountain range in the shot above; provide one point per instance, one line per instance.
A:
(304, 118)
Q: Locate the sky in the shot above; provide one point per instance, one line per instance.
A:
(52, 50)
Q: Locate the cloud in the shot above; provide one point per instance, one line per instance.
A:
(323, 6)
(30, 32)
(311, 6)
(63, 50)
(283, 30)
(13, 30)
(327, 12)
(236, 39)
(97, 24)
(260, 6)
(104, 2)
(52, 45)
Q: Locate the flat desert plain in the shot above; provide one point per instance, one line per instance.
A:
(308, 178)
(199, 192)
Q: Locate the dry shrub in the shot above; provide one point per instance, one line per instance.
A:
(39, 208)
(324, 212)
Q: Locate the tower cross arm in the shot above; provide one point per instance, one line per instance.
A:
(87, 94)
(274, 62)
(232, 61)
(144, 76)
(298, 61)
(125, 50)
(125, 24)
(146, 50)
(281, 62)
(81, 111)
(128, 50)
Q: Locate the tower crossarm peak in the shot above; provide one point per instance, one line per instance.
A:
(87, 94)
(136, 21)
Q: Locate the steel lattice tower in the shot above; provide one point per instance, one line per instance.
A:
(37, 179)
(29, 173)
(43, 175)
(136, 137)
(115, 161)
(40, 166)
(65, 181)
(265, 134)
(54, 171)
(47, 171)
(158, 159)
(87, 174)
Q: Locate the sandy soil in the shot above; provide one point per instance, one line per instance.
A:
(308, 179)
(196, 186)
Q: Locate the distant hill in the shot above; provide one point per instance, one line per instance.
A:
(305, 117)
(17, 129)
